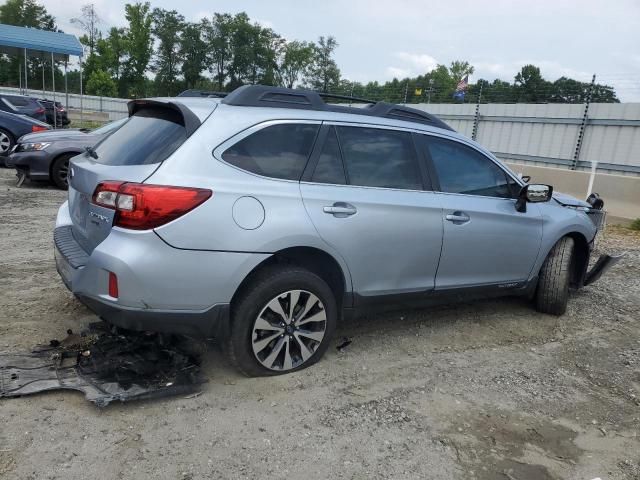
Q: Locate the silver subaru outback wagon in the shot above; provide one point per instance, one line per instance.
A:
(264, 217)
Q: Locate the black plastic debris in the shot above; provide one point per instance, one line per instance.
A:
(106, 364)
(344, 343)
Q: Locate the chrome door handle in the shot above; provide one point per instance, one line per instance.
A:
(458, 217)
(340, 209)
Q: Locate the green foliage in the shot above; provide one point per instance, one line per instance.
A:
(138, 47)
(323, 73)
(167, 28)
(100, 83)
(26, 13)
(296, 58)
(193, 51)
(159, 53)
(635, 225)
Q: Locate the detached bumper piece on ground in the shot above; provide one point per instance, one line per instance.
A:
(106, 364)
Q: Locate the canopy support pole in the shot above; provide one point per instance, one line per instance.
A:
(53, 88)
(81, 106)
(20, 76)
(43, 87)
(26, 70)
(66, 90)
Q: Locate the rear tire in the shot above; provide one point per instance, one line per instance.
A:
(60, 172)
(300, 334)
(555, 275)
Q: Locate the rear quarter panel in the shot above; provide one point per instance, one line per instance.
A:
(212, 226)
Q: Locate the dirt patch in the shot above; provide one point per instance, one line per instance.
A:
(486, 390)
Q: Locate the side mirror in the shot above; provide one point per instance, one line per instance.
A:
(533, 193)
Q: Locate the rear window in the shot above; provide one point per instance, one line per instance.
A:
(278, 151)
(149, 136)
(18, 101)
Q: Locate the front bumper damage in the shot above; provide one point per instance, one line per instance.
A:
(604, 263)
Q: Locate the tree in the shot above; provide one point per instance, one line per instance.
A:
(89, 21)
(324, 74)
(111, 51)
(100, 83)
(167, 28)
(296, 59)
(218, 39)
(26, 13)
(460, 69)
(530, 84)
(193, 51)
(138, 46)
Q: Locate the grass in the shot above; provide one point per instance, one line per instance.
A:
(86, 124)
(635, 225)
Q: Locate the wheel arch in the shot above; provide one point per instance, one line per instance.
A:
(581, 252)
(66, 153)
(314, 259)
(580, 260)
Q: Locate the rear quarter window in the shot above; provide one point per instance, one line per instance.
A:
(18, 101)
(149, 136)
(277, 151)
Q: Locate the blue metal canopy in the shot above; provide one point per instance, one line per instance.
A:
(14, 40)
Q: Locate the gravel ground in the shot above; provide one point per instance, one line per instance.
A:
(489, 390)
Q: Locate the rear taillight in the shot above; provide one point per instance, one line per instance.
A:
(38, 128)
(140, 206)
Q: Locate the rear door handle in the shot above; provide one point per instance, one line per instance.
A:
(340, 209)
(458, 217)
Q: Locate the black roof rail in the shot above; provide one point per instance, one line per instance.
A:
(278, 97)
(202, 93)
(346, 97)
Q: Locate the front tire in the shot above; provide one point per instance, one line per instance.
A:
(282, 321)
(60, 172)
(555, 275)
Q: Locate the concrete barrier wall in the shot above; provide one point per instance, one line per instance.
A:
(621, 194)
(547, 134)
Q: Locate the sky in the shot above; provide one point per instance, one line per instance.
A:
(382, 40)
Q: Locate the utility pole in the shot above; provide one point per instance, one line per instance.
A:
(583, 124)
(430, 89)
(476, 119)
(406, 91)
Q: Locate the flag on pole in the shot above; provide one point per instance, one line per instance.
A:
(461, 89)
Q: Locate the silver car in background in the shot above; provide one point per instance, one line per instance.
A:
(265, 217)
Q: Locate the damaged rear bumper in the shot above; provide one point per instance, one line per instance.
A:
(604, 263)
(207, 323)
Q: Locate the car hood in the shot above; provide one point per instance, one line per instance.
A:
(569, 201)
(56, 136)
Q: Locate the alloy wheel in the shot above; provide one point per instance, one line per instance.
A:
(288, 330)
(63, 172)
(5, 143)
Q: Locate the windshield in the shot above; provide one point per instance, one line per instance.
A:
(110, 127)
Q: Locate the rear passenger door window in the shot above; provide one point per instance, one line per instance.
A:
(461, 169)
(329, 168)
(277, 151)
(379, 158)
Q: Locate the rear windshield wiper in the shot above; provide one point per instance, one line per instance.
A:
(91, 152)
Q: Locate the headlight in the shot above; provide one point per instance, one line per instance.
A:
(31, 147)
